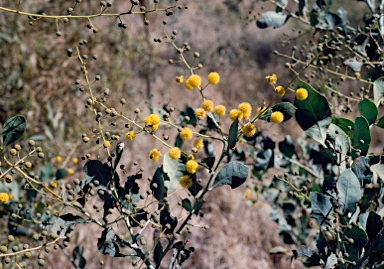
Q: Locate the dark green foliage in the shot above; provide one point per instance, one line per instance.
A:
(233, 174)
(13, 129)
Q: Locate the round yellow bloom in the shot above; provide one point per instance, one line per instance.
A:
(193, 81)
(200, 113)
(198, 143)
(186, 182)
(75, 160)
(280, 91)
(277, 117)
(4, 197)
(106, 144)
(248, 193)
(271, 79)
(152, 121)
(70, 171)
(186, 134)
(261, 110)
(220, 110)
(208, 105)
(235, 114)
(130, 135)
(249, 130)
(53, 184)
(154, 155)
(179, 79)
(174, 153)
(191, 166)
(301, 94)
(187, 85)
(213, 78)
(246, 110)
(58, 159)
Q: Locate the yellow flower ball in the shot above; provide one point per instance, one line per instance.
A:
(234, 114)
(198, 143)
(58, 159)
(277, 117)
(53, 184)
(152, 121)
(220, 110)
(246, 110)
(106, 144)
(191, 166)
(213, 78)
(249, 130)
(130, 135)
(187, 85)
(186, 134)
(301, 94)
(154, 155)
(208, 105)
(75, 160)
(271, 79)
(261, 110)
(155, 119)
(174, 153)
(70, 171)
(4, 197)
(280, 91)
(186, 182)
(194, 81)
(200, 113)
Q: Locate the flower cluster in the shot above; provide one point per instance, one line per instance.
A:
(194, 81)
(152, 121)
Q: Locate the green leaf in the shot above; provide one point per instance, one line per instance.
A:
(373, 226)
(107, 245)
(359, 236)
(345, 124)
(186, 204)
(361, 168)
(287, 147)
(96, 170)
(233, 131)
(233, 174)
(368, 109)
(159, 180)
(272, 18)
(286, 108)
(13, 129)
(61, 173)
(348, 187)
(46, 173)
(175, 169)
(196, 187)
(302, 6)
(361, 137)
(313, 114)
(378, 90)
(380, 122)
(158, 253)
(340, 143)
(321, 207)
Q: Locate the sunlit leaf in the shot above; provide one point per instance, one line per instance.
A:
(378, 90)
(349, 191)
